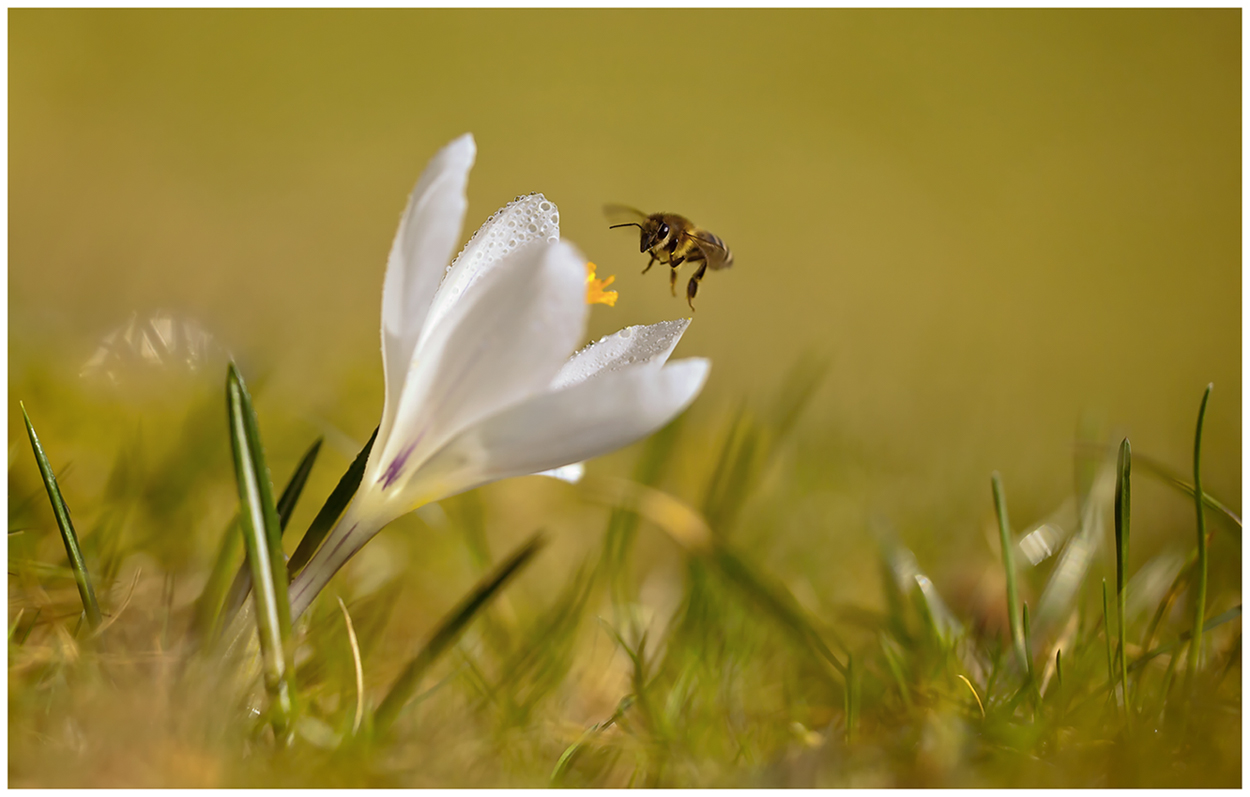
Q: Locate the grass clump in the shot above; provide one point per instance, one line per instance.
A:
(682, 622)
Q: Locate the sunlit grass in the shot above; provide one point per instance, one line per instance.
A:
(661, 637)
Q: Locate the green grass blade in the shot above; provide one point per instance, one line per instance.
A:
(1180, 642)
(1173, 592)
(449, 630)
(852, 697)
(1123, 506)
(295, 486)
(262, 538)
(1106, 633)
(892, 652)
(85, 590)
(1154, 467)
(1024, 634)
(206, 622)
(13, 626)
(1214, 622)
(1009, 565)
(1160, 470)
(340, 496)
(1200, 600)
(776, 601)
(242, 583)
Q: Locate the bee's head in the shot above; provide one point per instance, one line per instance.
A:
(653, 235)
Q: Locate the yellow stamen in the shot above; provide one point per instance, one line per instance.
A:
(595, 293)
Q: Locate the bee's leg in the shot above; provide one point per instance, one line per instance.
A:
(692, 287)
(649, 265)
(672, 280)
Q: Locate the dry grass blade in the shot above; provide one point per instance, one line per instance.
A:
(360, 673)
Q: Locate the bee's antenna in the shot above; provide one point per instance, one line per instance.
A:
(628, 224)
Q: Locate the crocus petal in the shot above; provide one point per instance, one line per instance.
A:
(525, 220)
(566, 473)
(556, 428)
(637, 345)
(427, 236)
(499, 346)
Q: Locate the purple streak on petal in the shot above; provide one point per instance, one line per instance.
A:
(397, 465)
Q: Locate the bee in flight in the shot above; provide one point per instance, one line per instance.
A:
(672, 240)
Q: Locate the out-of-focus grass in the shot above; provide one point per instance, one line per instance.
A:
(811, 637)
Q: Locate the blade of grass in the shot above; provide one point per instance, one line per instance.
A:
(360, 675)
(571, 752)
(638, 679)
(1028, 649)
(1106, 634)
(16, 621)
(1154, 467)
(1207, 499)
(1218, 620)
(776, 601)
(263, 540)
(973, 690)
(449, 630)
(340, 496)
(85, 590)
(206, 624)
(853, 677)
(889, 649)
(1108, 688)
(242, 583)
(1009, 565)
(1123, 506)
(1200, 600)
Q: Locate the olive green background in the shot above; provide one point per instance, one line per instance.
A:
(994, 223)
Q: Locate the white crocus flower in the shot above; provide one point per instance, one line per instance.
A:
(479, 382)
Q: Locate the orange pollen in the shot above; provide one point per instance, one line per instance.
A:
(595, 293)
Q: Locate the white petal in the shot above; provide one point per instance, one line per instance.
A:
(553, 429)
(427, 236)
(525, 220)
(637, 345)
(568, 473)
(499, 346)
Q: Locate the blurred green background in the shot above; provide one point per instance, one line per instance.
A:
(997, 225)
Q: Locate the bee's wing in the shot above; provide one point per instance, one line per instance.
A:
(623, 214)
(713, 248)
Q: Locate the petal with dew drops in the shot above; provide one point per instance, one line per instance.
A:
(524, 221)
(427, 236)
(501, 345)
(557, 428)
(637, 345)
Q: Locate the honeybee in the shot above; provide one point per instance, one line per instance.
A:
(672, 240)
